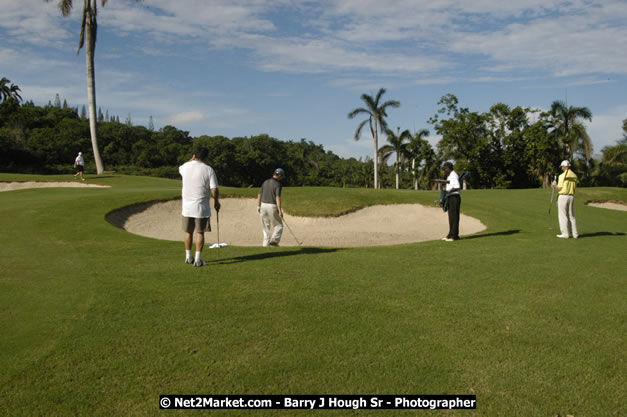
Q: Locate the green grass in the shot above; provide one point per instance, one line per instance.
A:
(95, 321)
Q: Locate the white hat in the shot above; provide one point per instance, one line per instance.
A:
(80, 153)
(565, 163)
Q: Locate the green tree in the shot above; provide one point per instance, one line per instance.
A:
(465, 140)
(415, 148)
(613, 165)
(304, 157)
(571, 132)
(376, 114)
(89, 29)
(396, 145)
(8, 90)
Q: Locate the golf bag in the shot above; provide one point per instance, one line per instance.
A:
(444, 200)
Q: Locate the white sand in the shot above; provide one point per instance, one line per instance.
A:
(240, 224)
(11, 186)
(611, 206)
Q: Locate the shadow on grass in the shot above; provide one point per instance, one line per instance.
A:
(601, 234)
(505, 233)
(267, 255)
(98, 177)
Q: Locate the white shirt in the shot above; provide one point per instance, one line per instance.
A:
(79, 160)
(453, 182)
(198, 180)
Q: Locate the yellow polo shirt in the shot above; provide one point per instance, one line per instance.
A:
(567, 182)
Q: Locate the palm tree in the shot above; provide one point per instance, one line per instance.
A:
(89, 29)
(9, 90)
(570, 130)
(376, 114)
(415, 148)
(397, 146)
(613, 166)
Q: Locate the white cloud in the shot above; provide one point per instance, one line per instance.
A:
(397, 36)
(184, 118)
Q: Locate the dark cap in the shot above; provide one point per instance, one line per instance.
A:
(280, 172)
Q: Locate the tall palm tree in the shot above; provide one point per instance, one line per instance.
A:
(570, 130)
(398, 146)
(89, 29)
(8, 90)
(376, 114)
(415, 148)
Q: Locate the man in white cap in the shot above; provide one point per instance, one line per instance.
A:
(269, 207)
(566, 185)
(79, 164)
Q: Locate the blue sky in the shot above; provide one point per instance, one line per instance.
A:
(295, 69)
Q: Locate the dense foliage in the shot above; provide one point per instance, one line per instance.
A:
(47, 139)
(503, 148)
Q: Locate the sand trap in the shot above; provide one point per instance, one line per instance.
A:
(610, 205)
(11, 186)
(240, 224)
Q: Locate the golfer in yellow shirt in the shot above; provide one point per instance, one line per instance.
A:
(566, 185)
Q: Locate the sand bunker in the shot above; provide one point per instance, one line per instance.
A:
(11, 186)
(240, 224)
(610, 205)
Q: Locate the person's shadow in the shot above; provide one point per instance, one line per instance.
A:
(505, 233)
(601, 234)
(267, 255)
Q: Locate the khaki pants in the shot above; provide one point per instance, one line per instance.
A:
(566, 209)
(270, 219)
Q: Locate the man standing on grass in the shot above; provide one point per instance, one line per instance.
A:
(454, 202)
(269, 207)
(199, 182)
(79, 165)
(566, 185)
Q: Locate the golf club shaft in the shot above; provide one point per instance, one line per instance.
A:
(293, 235)
(552, 195)
(218, 227)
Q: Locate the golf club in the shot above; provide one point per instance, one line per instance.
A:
(218, 227)
(293, 235)
(552, 194)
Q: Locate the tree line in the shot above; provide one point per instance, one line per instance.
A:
(46, 139)
(502, 148)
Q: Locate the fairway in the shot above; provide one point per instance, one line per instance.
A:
(96, 321)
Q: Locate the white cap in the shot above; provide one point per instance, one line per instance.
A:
(80, 153)
(565, 163)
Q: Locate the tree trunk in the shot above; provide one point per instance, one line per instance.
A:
(91, 91)
(413, 173)
(397, 175)
(376, 156)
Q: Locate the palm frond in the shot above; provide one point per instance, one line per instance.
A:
(66, 7)
(359, 127)
(372, 105)
(358, 111)
(81, 38)
(391, 103)
(379, 94)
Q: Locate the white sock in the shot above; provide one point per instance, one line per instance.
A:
(188, 254)
(197, 256)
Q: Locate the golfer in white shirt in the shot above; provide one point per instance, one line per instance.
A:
(199, 182)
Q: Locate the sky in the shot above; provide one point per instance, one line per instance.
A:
(294, 69)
